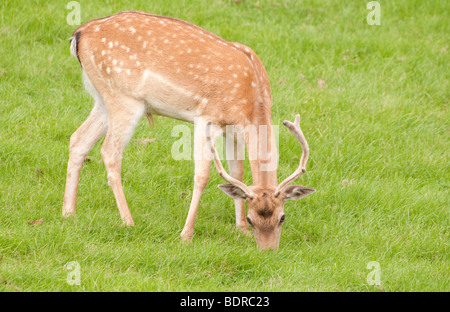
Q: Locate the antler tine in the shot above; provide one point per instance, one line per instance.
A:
(297, 132)
(220, 168)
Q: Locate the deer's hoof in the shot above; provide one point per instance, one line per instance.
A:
(128, 221)
(186, 236)
(67, 213)
(243, 229)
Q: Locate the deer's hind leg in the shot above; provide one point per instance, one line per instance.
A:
(81, 142)
(124, 115)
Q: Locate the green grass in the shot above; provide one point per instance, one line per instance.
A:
(381, 123)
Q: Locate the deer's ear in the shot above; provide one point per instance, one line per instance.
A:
(232, 191)
(294, 192)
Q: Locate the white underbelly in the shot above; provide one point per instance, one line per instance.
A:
(165, 98)
(168, 110)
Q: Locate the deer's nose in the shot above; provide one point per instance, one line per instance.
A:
(268, 247)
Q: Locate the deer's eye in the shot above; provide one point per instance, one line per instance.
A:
(249, 221)
(282, 219)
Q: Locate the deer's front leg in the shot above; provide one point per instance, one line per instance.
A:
(200, 180)
(202, 157)
(235, 159)
(237, 172)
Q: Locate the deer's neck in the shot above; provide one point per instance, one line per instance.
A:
(262, 149)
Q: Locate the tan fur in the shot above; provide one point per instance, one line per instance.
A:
(202, 66)
(138, 64)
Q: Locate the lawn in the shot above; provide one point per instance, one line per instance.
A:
(374, 106)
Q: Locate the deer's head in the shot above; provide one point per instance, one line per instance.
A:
(266, 205)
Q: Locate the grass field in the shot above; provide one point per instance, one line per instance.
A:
(374, 106)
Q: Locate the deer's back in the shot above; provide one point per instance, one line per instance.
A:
(178, 69)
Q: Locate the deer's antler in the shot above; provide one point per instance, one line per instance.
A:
(297, 132)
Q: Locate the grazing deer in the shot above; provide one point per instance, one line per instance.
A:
(137, 64)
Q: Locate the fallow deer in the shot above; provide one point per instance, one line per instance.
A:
(136, 64)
